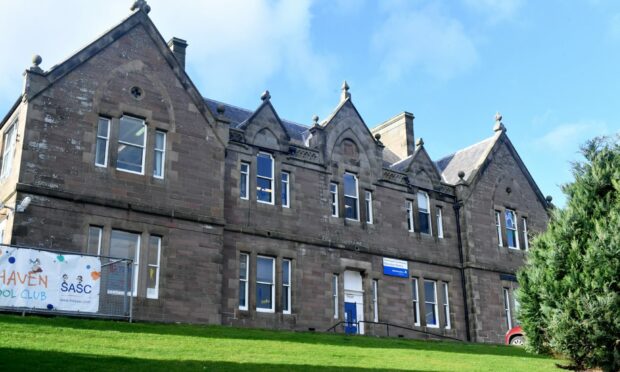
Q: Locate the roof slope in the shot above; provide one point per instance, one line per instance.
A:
(467, 160)
(238, 116)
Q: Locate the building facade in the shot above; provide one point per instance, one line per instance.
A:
(239, 217)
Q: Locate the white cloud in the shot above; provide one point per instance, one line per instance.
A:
(568, 137)
(423, 38)
(495, 10)
(234, 46)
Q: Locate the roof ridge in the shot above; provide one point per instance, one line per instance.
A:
(251, 112)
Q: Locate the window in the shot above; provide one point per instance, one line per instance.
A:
(243, 280)
(244, 181)
(2, 228)
(124, 245)
(93, 246)
(409, 207)
(526, 240)
(375, 300)
(265, 289)
(350, 197)
(511, 229)
(507, 308)
(286, 286)
(9, 141)
(439, 216)
(424, 213)
(446, 305)
(103, 142)
(264, 178)
(159, 154)
(333, 190)
(335, 294)
(415, 301)
(498, 226)
(430, 303)
(285, 189)
(152, 267)
(368, 199)
(131, 145)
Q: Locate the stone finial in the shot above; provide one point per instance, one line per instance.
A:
(499, 126)
(419, 142)
(461, 175)
(36, 61)
(378, 137)
(220, 109)
(549, 199)
(315, 120)
(141, 5)
(265, 96)
(345, 91)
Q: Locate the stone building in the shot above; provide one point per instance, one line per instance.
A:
(240, 217)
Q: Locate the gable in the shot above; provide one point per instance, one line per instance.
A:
(154, 40)
(420, 169)
(265, 129)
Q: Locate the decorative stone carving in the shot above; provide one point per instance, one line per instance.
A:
(236, 136)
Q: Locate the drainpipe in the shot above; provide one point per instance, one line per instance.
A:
(457, 207)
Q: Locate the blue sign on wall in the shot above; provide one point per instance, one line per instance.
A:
(393, 267)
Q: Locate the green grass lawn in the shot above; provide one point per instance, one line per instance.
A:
(35, 343)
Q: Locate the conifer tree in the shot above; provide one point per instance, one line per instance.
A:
(570, 287)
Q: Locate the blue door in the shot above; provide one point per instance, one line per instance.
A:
(350, 318)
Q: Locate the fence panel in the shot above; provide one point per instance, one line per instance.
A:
(35, 280)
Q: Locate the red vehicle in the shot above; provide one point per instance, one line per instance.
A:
(515, 336)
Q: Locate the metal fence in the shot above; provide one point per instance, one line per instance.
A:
(115, 283)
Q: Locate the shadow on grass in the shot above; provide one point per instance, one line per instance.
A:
(224, 332)
(37, 360)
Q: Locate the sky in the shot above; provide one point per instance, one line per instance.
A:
(551, 68)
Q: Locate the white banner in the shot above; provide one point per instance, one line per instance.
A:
(46, 280)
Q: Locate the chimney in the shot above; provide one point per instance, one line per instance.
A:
(178, 46)
(397, 136)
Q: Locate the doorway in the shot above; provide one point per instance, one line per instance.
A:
(353, 302)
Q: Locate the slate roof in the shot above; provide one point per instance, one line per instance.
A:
(467, 160)
(238, 116)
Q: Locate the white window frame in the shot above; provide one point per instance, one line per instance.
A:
(526, 242)
(133, 145)
(410, 222)
(246, 281)
(498, 226)
(9, 143)
(244, 173)
(415, 301)
(435, 304)
(2, 230)
(162, 152)
(107, 142)
(516, 229)
(335, 299)
(426, 211)
(368, 202)
(375, 300)
(99, 238)
(273, 196)
(136, 265)
(273, 285)
(446, 305)
(439, 216)
(356, 197)
(507, 313)
(286, 288)
(285, 184)
(153, 293)
(333, 191)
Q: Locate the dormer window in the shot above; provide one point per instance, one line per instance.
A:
(351, 199)
(264, 178)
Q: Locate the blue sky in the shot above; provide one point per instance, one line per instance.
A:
(550, 67)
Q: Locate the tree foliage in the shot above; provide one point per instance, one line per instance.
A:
(570, 287)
